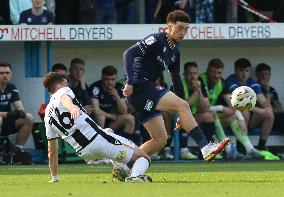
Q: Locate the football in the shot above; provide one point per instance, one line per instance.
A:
(243, 98)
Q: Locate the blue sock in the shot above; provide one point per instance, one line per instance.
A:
(198, 137)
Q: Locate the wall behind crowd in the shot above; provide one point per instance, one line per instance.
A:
(98, 54)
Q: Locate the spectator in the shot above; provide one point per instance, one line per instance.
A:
(109, 103)
(76, 80)
(36, 15)
(4, 12)
(204, 11)
(17, 121)
(125, 11)
(263, 74)
(106, 12)
(66, 11)
(150, 7)
(163, 8)
(220, 11)
(87, 12)
(262, 115)
(60, 68)
(50, 4)
(16, 7)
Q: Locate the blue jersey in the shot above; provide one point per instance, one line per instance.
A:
(156, 54)
(106, 100)
(8, 96)
(233, 82)
(145, 60)
(43, 19)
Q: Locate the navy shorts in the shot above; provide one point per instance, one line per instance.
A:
(8, 127)
(144, 99)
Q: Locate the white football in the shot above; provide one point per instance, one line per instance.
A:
(243, 98)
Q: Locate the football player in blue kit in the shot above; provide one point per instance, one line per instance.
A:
(143, 63)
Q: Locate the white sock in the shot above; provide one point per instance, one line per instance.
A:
(140, 167)
(248, 145)
(118, 165)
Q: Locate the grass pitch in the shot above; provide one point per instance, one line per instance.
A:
(170, 179)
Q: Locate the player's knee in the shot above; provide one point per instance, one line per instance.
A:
(182, 106)
(161, 142)
(29, 119)
(130, 118)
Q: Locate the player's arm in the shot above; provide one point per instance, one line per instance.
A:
(121, 105)
(53, 159)
(264, 104)
(99, 111)
(66, 101)
(176, 79)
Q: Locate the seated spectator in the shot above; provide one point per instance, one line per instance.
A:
(87, 11)
(36, 15)
(59, 68)
(106, 12)
(5, 12)
(163, 8)
(263, 75)
(76, 81)
(204, 11)
(109, 103)
(262, 115)
(16, 8)
(67, 12)
(17, 121)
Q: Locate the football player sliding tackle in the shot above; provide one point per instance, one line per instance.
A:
(66, 118)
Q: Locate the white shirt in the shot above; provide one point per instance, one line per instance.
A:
(58, 123)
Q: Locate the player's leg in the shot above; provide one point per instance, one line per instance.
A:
(125, 155)
(158, 133)
(265, 120)
(24, 127)
(170, 102)
(242, 136)
(126, 122)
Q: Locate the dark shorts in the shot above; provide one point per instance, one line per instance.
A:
(144, 99)
(8, 127)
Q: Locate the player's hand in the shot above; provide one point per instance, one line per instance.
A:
(178, 124)
(128, 90)
(113, 92)
(228, 111)
(75, 112)
(54, 179)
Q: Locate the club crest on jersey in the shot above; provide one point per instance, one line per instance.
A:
(96, 91)
(121, 157)
(149, 105)
(150, 40)
(164, 50)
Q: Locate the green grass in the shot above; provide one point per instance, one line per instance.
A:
(171, 179)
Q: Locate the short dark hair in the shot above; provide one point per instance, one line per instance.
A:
(5, 64)
(76, 61)
(178, 15)
(261, 67)
(58, 66)
(242, 63)
(109, 70)
(215, 63)
(190, 64)
(51, 79)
